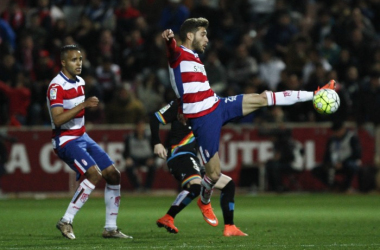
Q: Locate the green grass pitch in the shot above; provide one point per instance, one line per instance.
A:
(294, 221)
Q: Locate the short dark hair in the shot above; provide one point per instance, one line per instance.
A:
(192, 25)
(66, 48)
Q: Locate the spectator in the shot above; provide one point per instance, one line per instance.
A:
(57, 36)
(134, 56)
(19, 100)
(27, 53)
(315, 60)
(150, 90)
(85, 34)
(9, 70)
(342, 156)
(297, 54)
(368, 106)
(95, 115)
(108, 76)
(330, 50)
(138, 153)
(229, 31)
(205, 9)
(323, 26)
(124, 107)
(173, 15)
(7, 35)
(242, 66)
(287, 159)
(125, 14)
(15, 16)
(280, 33)
(100, 13)
(270, 69)
(216, 72)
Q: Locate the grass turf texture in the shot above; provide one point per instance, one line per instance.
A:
(299, 221)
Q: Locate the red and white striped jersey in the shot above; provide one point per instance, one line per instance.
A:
(66, 93)
(189, 81)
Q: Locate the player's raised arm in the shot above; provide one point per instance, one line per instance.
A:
(168, 34)
(173, 51)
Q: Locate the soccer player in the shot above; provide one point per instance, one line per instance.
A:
(183, 164)
(206, 111)
(66, 104)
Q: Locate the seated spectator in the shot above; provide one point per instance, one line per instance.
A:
(138, 153)
(287, 159)
(342, 156)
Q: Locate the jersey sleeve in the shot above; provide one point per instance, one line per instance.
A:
(168, 113)
(55, 95)
(173, 51)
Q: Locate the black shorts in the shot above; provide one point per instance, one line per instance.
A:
(185, 168)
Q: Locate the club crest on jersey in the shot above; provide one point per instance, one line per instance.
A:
(287, 93)
(53, 93)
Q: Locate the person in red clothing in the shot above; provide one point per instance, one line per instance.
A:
(18, 101)
(126, 11)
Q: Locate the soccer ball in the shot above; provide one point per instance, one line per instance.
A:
(326, 101)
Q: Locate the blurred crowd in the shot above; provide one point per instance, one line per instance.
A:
(255, 45)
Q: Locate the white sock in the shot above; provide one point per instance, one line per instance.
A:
(80, 197)
(288, 97)
(207, 188)
(112, 200)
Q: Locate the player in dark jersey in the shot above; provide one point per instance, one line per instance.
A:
(184, 165)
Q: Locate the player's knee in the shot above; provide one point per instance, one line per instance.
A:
(111, 175)
(93, 174)
(214, 176)
(194, 188)
(230, 187)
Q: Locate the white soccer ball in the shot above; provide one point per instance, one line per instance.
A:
(326, 101)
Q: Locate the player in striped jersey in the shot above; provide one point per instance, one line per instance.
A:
(66, 103)
(206, 111)
(184, 165)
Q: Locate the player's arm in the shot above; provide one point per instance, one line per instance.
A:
(173, 52)
(165, 115)
(158, 148)
(60, 116)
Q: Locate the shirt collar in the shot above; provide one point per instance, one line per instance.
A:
(67, 79)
